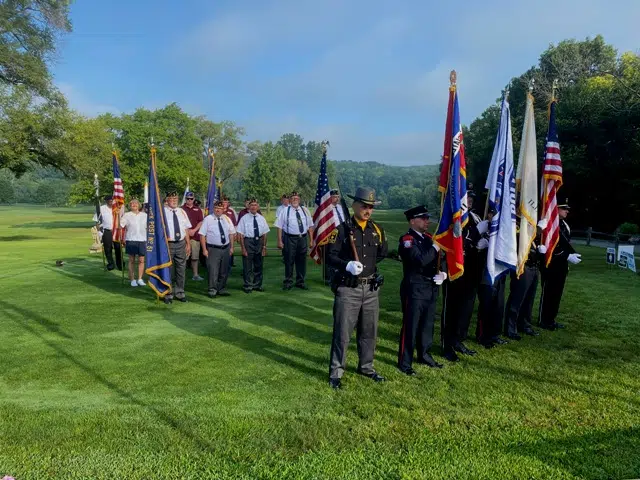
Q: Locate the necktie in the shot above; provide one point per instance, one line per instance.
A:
(339, 214)
(223, 237)
(299, 221)
(176, 227)
(256, 230)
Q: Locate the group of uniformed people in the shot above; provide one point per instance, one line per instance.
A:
(355, 248)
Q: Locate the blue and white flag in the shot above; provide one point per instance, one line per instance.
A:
(502, 255)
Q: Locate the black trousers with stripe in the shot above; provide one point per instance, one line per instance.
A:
(418, 318)
(490, 310)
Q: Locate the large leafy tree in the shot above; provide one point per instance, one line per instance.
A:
(29, 31)
(266, 175)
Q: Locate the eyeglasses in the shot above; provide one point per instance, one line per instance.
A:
(190, 198)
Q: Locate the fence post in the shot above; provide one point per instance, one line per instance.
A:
(589, 231)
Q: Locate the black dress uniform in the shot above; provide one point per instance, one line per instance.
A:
(460, 294)
(356, 297)
(553, 278)
(418, 294)
(522, 292)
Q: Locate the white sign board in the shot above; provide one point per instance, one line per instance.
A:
(611, 256)
(626, 258)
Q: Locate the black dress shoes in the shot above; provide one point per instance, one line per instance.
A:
(451, 356)
(182, 299)
(167, 300)
(429, 361)
(531, 332)
(335, 383)
(514, 336)
(460, 347)
(302, 287)
(409, 371)
(500, 341)
(375, 376)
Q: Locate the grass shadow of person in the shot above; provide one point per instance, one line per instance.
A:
(165, 418)
(218, 326)
(49, 325)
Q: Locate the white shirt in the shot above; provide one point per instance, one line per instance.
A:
(107, 217)
(211, 229)
(136, 224)
(183, 221)
(338, 215)
(288, 221)
(245, 225)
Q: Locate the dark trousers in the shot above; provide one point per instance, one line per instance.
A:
(218, 268)
(458, 299)
(109, 246)
(418, 318)
(295, 253)
(553, 280)
(326, 269)
(520, 301)
(178, 252)
(490, 310)
(252, 263)
(354, 307)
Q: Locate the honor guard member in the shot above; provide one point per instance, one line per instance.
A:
(359, 246)
(216, 240)
(522, 291)
(460, 294)
(555, 274)
(105, 222)
(284, 203)
(294, 236)
(252, 231)
(179, 244)
(491, 302)
(418, 291)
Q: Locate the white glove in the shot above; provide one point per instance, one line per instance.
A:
(543, 223)
(439, 278)
(574, 258)
(482, 227)
(435, 245)
(482, 244)
(542, 249)
(354, 268)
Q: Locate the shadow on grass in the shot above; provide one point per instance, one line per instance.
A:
(53, 225)
(27, 315)
(168, 420)
(220, 329)
(608, 454)
(19, 238)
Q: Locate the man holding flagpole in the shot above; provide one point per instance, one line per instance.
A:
(502, 255)
(556, 235)
(524, 280)
(179, 244)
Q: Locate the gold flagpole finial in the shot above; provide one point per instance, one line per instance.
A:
(325, 144)
(453, 78)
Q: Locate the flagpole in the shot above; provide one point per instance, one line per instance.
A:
(96, 184)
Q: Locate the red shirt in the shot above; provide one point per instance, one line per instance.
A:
(231, 213)
(195, 215)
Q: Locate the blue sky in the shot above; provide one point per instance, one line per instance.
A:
(370, 76)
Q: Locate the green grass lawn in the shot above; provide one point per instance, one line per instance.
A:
(98, 380)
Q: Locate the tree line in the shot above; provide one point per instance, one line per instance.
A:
(598, 121)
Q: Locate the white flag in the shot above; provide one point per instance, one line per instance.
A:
(526, 182)
(502, 254)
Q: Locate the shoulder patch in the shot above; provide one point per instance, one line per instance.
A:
(407, 241)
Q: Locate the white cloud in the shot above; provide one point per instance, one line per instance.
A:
(79, 102)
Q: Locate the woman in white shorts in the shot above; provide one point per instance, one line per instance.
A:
(135, 224)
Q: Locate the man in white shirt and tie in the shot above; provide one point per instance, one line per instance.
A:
(217, 235)
(284, 203)
(178, 224)
(105, 222)
(252, 230)
(338, 213)
(295, 228)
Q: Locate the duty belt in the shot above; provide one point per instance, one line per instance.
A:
(365, 280)
(298, 235)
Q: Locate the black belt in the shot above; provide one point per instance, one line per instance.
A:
(297, 235)
(365, 280)
(217, 246)
(176, 241)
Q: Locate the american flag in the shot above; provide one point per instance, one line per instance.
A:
(118, 201)
(323, 217)
(551, 182)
